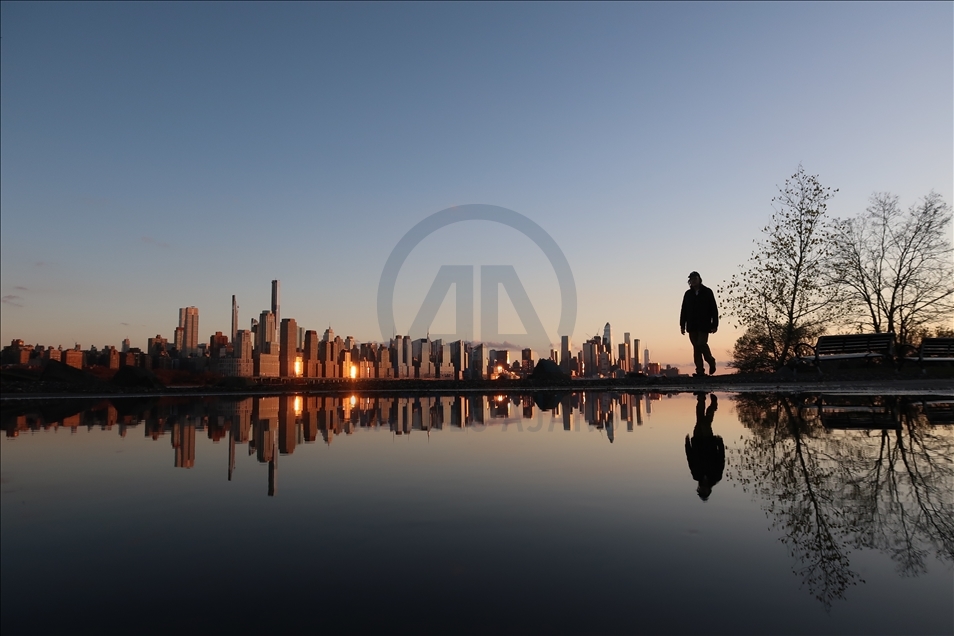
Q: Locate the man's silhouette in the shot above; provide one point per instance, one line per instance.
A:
(700, 317)
(705, 452)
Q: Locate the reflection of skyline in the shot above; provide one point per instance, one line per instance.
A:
(276, 425)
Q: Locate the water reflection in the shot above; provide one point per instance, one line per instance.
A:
(835, 474)
(838, 474)
(705, 452)
(282, 422)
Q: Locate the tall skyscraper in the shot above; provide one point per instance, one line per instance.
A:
(566, 355)
(288, 354)
(235, 309)
(276, 302)
(189, 322)
(607, 338)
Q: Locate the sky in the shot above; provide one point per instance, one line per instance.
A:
(156, 156)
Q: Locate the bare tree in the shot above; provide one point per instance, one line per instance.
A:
(781, 297)
(895, 267)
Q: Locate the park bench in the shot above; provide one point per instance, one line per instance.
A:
(932, 350)
(868, 347)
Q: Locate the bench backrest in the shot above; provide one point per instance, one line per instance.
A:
(856, 343)
(940, 347)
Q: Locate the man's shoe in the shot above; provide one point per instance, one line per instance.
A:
(699, 374)
(712, 367)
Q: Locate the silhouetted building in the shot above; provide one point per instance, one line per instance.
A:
(74, 358)
(276, 302)
(235, 317)
(189, 323)
(288, 352)
(265, 334)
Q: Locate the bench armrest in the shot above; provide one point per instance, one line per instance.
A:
(804, 350)
(908, 351)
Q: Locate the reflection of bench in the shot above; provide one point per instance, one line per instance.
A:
(939, 412)
(862, 346)
(858, 413)
(932, 350)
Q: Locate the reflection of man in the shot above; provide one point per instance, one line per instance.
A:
(705, 452)
(700, 317)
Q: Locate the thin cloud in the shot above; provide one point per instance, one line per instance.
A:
(148, 240)
(20, 288)
(124, 324)
(11, 299)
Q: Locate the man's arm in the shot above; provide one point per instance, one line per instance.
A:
(714, 320)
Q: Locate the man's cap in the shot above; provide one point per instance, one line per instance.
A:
(696, 274)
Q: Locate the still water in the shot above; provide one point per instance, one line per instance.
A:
(576, 513)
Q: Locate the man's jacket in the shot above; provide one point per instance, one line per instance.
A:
(699, 311)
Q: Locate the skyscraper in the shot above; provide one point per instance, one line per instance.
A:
(607, 338)
(265, 334)
(242, 345)
(189, 323)
(276, 302)
(565, 354)
(288, 353)
(235, 309)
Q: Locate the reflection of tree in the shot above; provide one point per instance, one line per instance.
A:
(780, 462)
(901, 493)
(833, 491)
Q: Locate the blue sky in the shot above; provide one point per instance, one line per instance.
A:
(155, 156)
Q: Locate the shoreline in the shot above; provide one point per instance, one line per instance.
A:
(729, 383)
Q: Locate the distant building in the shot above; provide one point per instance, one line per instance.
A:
(288, 349)
(74, 357)
(265, 334)
(311, 364)
(189, 323)
(235, 317)
(624, 357)
(241, 364)
(266, 365)
(566, 355)
(219, 345)
(276, 302)
(526, 360)
(478, 362)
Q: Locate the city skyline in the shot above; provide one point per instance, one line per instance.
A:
(155, 157)
(269, 349)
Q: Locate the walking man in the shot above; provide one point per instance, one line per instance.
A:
(700, 317)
